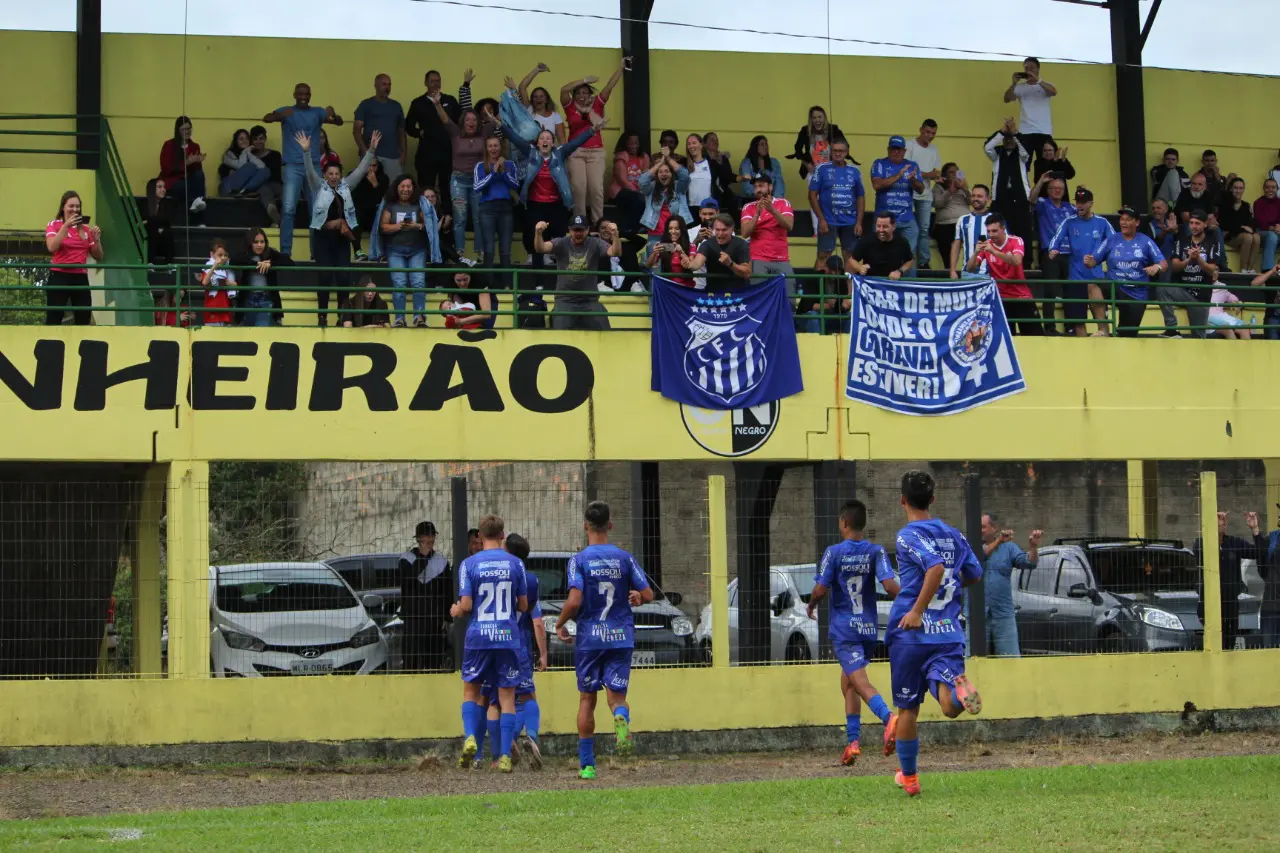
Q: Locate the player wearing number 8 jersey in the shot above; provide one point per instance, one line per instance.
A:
(925, 638)
(849, 572)
(492, 583)
(605, 582)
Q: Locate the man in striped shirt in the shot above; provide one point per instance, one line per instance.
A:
(971, 229)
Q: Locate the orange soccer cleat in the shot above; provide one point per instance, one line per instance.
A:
(910, 784)
(967, 695)
(891, 735)
(850, 755)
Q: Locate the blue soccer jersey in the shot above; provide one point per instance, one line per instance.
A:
(850, 570)
(1127, 259)
(838, 189)
(921, 546)
(606, 575)
(1078, 237)
(494, 580)
(899, 197)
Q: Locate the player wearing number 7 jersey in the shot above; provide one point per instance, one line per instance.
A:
(925, 638)
(492, 583)
(605, 582)
(848, 572)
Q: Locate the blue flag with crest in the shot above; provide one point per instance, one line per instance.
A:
(930, 349)
(724, 350)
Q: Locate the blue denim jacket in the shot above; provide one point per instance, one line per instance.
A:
(522, 131)
(748, 190)
(322, 193)
(377, 245)
(679, 205)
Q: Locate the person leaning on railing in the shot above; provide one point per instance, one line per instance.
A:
(364, 307)
(724, 255)
(259, 298)
(1271, 320)
(577, 295)
(71, 240)
(1131, 260)
(1076, 239)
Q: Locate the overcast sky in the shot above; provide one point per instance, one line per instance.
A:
(1046, 28)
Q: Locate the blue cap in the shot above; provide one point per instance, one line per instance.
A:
(709, 202)
(897, 142)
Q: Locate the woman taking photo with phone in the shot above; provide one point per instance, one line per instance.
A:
(71, 240)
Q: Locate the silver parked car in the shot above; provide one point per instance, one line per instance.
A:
(793, 635)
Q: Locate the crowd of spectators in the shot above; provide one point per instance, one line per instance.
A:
(484, 165)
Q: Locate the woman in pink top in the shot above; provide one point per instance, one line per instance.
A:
(630, 161)
(71, 240)
(586, 165)
(1228, 325)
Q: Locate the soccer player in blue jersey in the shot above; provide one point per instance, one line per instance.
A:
(926, 641)
(492, 582)
(605, 582)
(848, 572)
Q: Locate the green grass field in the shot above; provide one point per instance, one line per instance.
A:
(1199, 804)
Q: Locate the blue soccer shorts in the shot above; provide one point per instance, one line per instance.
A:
(524, 688)
(603, 668)
(915, 666)
(853, 655)
(500, 667)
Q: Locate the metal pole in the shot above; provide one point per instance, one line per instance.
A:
(88, 83)
(458, 502)
(1126, 54)
(975, 595)
(635, 43)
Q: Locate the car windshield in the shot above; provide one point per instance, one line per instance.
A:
(551, 577)
(280, 590)
(803, 578)
(1139, 573)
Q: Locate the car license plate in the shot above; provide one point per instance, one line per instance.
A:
(644, 658)
(311, 667)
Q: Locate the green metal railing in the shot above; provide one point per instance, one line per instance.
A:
(181, 292)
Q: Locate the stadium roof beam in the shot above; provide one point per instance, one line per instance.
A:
(635, 43)
(88, 82)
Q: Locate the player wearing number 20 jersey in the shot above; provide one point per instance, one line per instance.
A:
(494, 580)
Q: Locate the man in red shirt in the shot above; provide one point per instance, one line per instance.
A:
(766, 222)
(1003, 253)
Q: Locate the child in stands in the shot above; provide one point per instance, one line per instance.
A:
(219, 286)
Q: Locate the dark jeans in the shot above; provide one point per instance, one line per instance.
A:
(497, 222)
(434, 162)
(1017, 215)
(1019, 311)
(424, 646)
(595, 321)
(630, 205)
(72, 290)
(1034, 143)
(331, 249)
(1053, 271)
(1131, 312)
(556, 215)
(944, 236)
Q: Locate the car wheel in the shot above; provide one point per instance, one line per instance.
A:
(797, 649)
(1111, 643)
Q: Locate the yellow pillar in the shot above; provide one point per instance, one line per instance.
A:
(718, 527)
(1144, 517)
(146, 575)
(1209, 548)
(1270, 512)
(188, 563)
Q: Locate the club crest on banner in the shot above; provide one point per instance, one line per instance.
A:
(724, 355)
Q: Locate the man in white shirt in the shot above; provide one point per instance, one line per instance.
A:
(971, 229)
(1035, 120)
(924, 154)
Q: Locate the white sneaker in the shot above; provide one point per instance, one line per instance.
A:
(604, 288)
(198, 205)
(637, 287)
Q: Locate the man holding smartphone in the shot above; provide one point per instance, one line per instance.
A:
(1035, 120)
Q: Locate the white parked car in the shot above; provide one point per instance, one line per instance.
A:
(290, 619)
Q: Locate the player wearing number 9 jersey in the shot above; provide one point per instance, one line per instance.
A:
(492, 583)
(925, 638)
(848, 572)
(605, 582)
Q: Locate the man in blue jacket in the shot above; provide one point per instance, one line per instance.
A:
(1079, 237)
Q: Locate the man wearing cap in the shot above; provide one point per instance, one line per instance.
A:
(426, 591)
(724, 256)
(1077, 238)
(1194, 263)
(578, 257)
(896, 180)
(766, 222)
(1010, 190)
(707, 212)
(1132, 259)
(838, 200)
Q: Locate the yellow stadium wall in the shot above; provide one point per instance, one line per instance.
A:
(31, 195)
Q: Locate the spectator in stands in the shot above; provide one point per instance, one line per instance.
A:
(670, 140)
(838, 200)
(1078, 239)
(1051, 211)
(434, 158)
(407, 232)
(333, 219)
(467, 137)
(1168, 179)
(300, 118)
(1266, 215)
(219, 283)
(885, 254)
(669, 256)
(630, 161)
(1003, 253)
(488, 110)
(665, 188)
(182, 166)
(757, 161)
(1035, 117)
(1194, 265)
(1162, 226)
(368, 196)
(1052, 159)
(766, 222)
(495, 180)
(625, 271)
(708, 210)
(426, 591)
(259, 297)
(586, 166)
(71, 240)
(160, 245)
(1007, 149)
(1227, 321)
(723, 177)
(1271, 318)
(1232, 550)
(813, 142)
(1002, 557)
(951, 201)
(469, 307)
(445, 229)
(1216, 183)
(364, 307)
(328, 157)
(924, 154)
(896, 180)
(241, 171)
(1239, 227)
(724, 256)
(971, 229)
(577, 293)
(540, 107)
(1195, 197)
(386, 116)
(830, 296)
(1131, 260)
(701, 177)
(269, 192)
